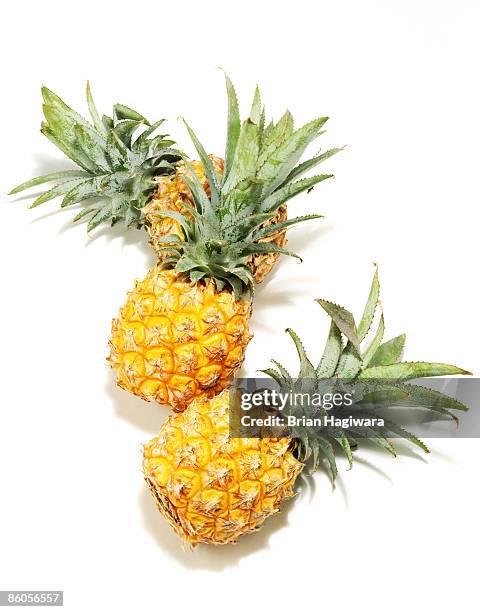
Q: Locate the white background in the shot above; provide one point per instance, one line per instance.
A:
(399, 80)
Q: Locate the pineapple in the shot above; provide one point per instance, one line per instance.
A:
(176, 339)
(183, 331)
(126, 173)
(213, 488)
(173, 193)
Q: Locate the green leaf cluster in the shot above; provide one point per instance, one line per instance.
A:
(117, 157)
(262, 172)
(379, 366)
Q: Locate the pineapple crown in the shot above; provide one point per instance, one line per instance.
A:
(117, 162)
(261, 172)
(344, 358)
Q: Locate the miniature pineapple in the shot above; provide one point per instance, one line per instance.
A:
(127, 173)
(175, 339)
(173, 194)
(183, 331)
(213, 488)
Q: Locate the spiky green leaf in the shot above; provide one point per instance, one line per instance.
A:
(55, 192)
(344, 321)
(97, 122)
(288, 192)
(407, 370)
(370, 307)
(213, 179)
(233, 125)
(268, 230)
(389, 352)
(49, 178)
(125, 112)
(276, 169)
(309, 164)
(331, 354)
(375, 343)
(306, 367)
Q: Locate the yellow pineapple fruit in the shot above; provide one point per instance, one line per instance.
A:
(175, 339)
(203, 287)
(212, 488)
(173, 194)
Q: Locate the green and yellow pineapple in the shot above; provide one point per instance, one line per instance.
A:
(128, 173)
(183, 331)
(213, 488)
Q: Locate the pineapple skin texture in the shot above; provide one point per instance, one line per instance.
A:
(175, 340)
(173, 194)
(211, 488)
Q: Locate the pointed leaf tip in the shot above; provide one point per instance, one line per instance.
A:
(306, 368)
(370, 306)
(407, 370)
(344, 321)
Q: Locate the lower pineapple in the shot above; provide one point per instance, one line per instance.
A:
(175, 340)
(212, 488)
(173, 194)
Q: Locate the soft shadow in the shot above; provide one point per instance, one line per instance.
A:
(296, 243)
(273, 298)
(372, 466)
(146, 416)
(20, 198)
(443, 456)
(266, 301)
(130, 237)
(56, 212)
(263, 291)
(43, 164)
(301, 237)
(204, 556)
(306, 486)
(402, 448)
(342, 489)
(216, 559)
(46, 164)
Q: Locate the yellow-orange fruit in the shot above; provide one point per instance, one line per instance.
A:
(175, 340)
(173, 194)
(210, 487)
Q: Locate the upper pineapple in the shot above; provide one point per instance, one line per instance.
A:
(382, 382)
(223, 231)
(234, 222)
(117, 162)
